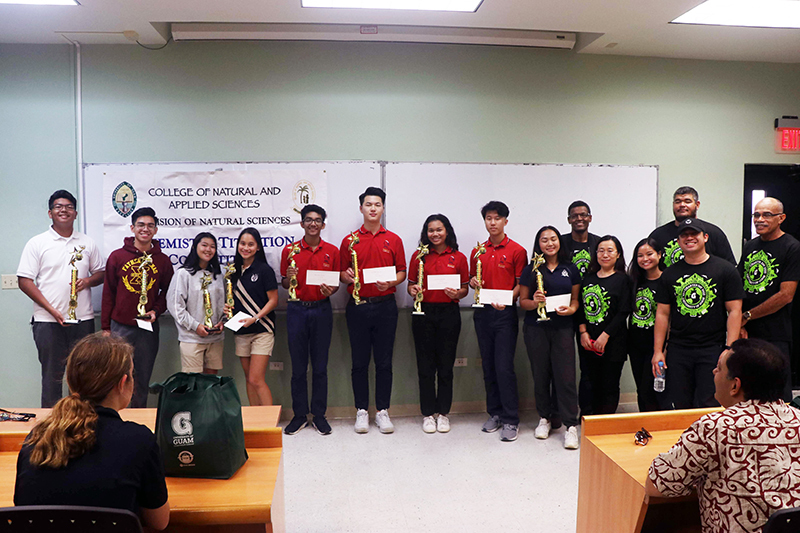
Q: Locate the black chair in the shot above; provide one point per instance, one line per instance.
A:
(67, 519)
(783, 521)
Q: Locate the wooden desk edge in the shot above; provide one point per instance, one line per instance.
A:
(633, 422)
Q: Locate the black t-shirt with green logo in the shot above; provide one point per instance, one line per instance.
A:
(667, 236)
(605, 305)
(581, 253)
(643, 316)
(764, 266)
(696, 295)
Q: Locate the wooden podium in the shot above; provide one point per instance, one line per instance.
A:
(613, 471)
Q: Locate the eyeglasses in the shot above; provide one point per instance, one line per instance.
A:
(583, 216)
(310, 221)
(765, 216)
(62, 207)
(642, 437)
(142, 225)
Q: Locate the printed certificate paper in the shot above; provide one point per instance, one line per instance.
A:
(322, 277)
(440, 282)
(554, 302)
(496, 296)
(235, 323)
(372, 275)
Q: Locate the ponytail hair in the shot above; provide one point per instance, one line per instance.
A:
(94, 367)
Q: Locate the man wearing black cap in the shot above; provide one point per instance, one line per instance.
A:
(700, 305)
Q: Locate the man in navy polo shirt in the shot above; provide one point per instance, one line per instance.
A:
(497, 325)
(372, 324)
(309, 322)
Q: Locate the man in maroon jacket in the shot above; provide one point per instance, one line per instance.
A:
(121, 296)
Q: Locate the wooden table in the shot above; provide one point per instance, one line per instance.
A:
(251, 501)
(613, 471)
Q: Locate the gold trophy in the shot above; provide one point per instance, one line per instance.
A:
(230, 270)
(147, 259)
(538, 260)
(478, 271)
(356, 278)
(422, 251)
(205, 281)
(77, 255)
(293, 278)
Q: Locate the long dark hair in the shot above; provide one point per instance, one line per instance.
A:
(192, 262)
(563, 253)
(619, 266)
(450, 240)
(637, 273)
(238, 260)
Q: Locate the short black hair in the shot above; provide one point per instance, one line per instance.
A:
(497, 206)
(312, 208)
(761, 368)
(61, 193)
(619, 265)
(144, 212)
(680, 191)
(578, 203)
(372, 191)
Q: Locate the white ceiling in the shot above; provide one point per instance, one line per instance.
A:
(640, 27)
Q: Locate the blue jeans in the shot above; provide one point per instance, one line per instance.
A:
(309, 335)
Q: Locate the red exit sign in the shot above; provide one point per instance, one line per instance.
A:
(787, 140)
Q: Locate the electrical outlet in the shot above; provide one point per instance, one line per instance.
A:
(10, 281)
(461, 361)
(276, 365)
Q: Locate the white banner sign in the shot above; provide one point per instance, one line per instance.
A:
(220, 202)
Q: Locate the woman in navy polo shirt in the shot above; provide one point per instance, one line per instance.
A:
(255, 293)
(550, 345)
(436, 332)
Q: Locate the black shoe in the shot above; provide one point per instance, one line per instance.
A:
(321, 425)
(297, 423)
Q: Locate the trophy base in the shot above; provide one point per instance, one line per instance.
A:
(477, 305)
(543, 319)
(143, 317)
(213, 330)
(418, 313)
(70, 322)
(293, 299)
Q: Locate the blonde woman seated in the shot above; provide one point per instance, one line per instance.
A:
(83, 453)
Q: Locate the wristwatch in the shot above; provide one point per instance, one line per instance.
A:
(746, 315)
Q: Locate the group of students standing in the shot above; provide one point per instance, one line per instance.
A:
(611, 313)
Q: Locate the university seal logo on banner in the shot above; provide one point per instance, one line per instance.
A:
(124, 199)
(303, 193)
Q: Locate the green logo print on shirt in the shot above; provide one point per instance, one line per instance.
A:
(644, 312)
(581, 259)
(595, 303)
(672, 253)
(695, 295)
(759, 271)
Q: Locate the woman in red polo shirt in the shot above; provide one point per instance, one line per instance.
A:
(436, 332)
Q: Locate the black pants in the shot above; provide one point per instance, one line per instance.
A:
(552, 355)
(309, 334)
(497, 341)
(145, 349)
(372, 327)
(642, 370)
(436, 339)
(54, 342)
(690, 377)
(603, 375)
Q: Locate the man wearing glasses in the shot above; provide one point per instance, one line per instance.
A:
(44, 275)
(309, 321)
(121, 297)
(770, 268)
(581, 244)
(685, 202)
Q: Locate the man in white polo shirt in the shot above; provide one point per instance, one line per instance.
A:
(44, 275)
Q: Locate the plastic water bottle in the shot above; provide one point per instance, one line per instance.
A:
(660, 382)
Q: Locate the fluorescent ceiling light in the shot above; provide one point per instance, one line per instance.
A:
(751, 13)
(467, 6)
(42, 2)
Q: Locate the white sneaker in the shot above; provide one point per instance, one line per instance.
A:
(442, 424)
(542, 431)
(383, 422)
(362, 421)
(429, 424)
(571, 438)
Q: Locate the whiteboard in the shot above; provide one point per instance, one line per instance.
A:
(346, 180)
(622, 199)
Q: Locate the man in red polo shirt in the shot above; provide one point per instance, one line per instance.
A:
(309, 321)
(372, 325)
(497, 325)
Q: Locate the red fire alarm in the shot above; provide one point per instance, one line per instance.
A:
(787, 135)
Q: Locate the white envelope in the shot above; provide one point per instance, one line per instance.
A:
(144, 324)
(235, 324)
(322, 277)
(440, 282)
(554, 302)
(497, 296)
(372, 275)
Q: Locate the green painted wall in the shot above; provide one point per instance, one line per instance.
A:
(699, 121)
